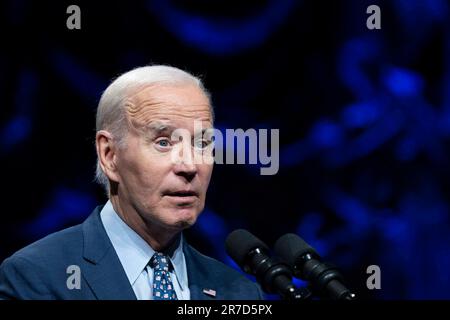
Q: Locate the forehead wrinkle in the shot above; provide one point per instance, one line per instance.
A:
(152, 95)
(143, 115)
(147, 104)
(137, 111)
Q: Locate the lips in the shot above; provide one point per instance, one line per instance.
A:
(181, 193)
(182, 198)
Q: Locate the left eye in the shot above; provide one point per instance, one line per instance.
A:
(201, 144)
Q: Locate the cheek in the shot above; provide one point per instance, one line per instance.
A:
(143, 169)
(151, 174)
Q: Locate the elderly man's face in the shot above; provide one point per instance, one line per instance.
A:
(164, 192)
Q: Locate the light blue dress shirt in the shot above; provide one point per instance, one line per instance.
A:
(135, 254)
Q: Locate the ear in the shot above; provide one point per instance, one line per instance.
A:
(107, 154)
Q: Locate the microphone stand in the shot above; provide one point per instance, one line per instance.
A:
(275, 277)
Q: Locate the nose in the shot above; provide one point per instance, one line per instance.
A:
(185, 166)
(187, 170)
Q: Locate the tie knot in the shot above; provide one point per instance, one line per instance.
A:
(160, 261)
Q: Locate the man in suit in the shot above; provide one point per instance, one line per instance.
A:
(133, 247)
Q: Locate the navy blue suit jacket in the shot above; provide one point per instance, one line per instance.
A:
(39, 271)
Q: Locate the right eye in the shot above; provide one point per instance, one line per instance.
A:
(163, 143)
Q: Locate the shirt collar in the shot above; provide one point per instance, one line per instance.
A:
(134, 252)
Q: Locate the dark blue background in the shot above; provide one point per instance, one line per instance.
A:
(364, 119)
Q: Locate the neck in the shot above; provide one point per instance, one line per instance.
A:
(158, 237)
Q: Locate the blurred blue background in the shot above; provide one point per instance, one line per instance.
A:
(364, 119)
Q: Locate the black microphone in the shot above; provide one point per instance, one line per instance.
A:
(306, 263)
(251, 254)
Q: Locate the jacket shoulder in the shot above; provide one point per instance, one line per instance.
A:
(52, 247)
(27, 273)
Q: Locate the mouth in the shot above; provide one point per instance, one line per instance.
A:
(182, 193)
(182, 197)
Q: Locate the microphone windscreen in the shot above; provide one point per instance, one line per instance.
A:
(291, 247)
(240, 242)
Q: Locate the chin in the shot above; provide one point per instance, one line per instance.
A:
(182, 225)
(185, 218)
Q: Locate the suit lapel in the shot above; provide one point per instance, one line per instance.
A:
(107, 279)
(201, 286)
(102, 269)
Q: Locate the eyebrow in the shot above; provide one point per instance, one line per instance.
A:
(159, 127)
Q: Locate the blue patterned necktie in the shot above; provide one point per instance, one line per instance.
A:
(162, 283)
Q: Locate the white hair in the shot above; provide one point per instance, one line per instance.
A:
(111, 113)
